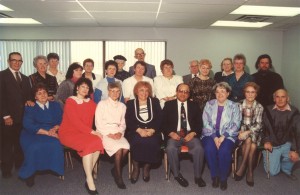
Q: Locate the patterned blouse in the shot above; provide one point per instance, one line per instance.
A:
(201, 91)
(252, 120)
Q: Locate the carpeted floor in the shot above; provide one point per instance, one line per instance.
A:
(74, 183)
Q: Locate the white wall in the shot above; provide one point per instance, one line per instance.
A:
(291, 64)
(183, 45)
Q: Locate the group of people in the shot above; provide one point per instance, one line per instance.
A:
(132, 110)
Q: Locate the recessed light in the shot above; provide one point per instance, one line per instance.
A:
(241, 24)
(3, 8)
(18, 21)
(267, 10)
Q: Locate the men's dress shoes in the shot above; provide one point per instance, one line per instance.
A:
(200, 182)
(30, 181)
(183, 182)
(91, 192)
(215, 182)
(223, 185)
(6, 175)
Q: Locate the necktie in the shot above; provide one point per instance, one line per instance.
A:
(45, 107)
(183, 130)
(195, 75)
(18, 79)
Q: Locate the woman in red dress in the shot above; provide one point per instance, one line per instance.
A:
(76, 129)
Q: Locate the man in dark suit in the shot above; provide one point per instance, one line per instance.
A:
(15, 92)
(194, 70)
(182, 124)
(140, 56)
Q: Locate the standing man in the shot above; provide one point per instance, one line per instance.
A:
(281, 135)
(194, 70)
(182, 124)
(268, 80)
(140, 56)
(15, 93)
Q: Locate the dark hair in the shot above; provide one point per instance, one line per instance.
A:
(110, 63)
(141, 63)
(141, 84)
(262, 57)
(88, 60)
(71, 69)
(119, 57)
(177, 88)
(166, 62)
(240, 56)
(39, 86)
(53, 56)
(13, 53)
(86, 81)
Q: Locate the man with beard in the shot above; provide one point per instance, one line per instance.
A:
(268, 80)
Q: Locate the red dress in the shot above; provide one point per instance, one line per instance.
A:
(76, 126)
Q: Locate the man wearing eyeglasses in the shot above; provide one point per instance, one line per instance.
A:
(182, 124)
(140, 56)
(194, 71)
(15, 93)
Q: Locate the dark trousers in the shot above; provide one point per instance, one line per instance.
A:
(218, 160)
(12, 154)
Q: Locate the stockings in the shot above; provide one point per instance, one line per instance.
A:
(89, 162)
(248, 151)
(119, 156)
(136, 170)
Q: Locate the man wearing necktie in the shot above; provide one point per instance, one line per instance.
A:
(194, 71)
(182, 124)
(15, 93)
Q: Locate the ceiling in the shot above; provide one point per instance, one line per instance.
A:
(140, 13)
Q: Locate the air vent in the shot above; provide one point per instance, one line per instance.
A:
(2, 15)
(253, 18)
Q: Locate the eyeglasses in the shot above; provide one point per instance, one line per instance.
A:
(14, 61)
(183, 91)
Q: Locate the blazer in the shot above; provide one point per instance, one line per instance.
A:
(14, 97)
(170, 117)
(151, 72)
(187, 78)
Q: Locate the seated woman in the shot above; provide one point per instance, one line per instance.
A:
(101, 92)
(221, 123)
(250, 133)
(165, 85)
(41, 76)
(76, 129)
(226, 70)
(66, 87)
(143, 119)
(112, 127)
(39, 139)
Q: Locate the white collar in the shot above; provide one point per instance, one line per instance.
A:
(42, 105)
(80, 101)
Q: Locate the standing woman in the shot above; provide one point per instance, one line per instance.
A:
(88, 66)
(238, 79)
(76, 129)
(121, 73)
(111, 126)
(221, 123)
(143, 119)
(53, 60)
(250, 133)
(39, 139)
(66, 88)
(101, 92)
(165, 85)
(41, 76)
(226, 70)
(201, 86)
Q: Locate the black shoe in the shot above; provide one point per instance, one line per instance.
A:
(183, 182)
(6, 175)
(215, 182)
(135, 176)
(291, 177)
(250, 183)
(118, 181)
(200, 182)
(146, 179)
(223, 185)
(237, 177)
(30, 181)
(91, 192)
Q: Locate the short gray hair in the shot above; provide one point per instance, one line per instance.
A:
(39, 57)
(223, 85)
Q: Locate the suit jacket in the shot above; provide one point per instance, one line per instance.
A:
(170, 117)
(151, 73)
(187, 78)
(13, 97)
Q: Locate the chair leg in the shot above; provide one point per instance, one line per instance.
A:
(166, 165)
(129, 165)
(70, 159)
(268, 165)
(259, 158)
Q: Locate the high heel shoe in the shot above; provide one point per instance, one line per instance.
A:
(237, 177)
(118, 181)
(91, 192)
(250, 183)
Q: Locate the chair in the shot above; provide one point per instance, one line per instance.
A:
(68, 157)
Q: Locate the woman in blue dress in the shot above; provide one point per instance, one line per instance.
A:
(39, 139)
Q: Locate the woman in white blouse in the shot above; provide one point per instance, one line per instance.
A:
(111, 126)
(165, 85)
